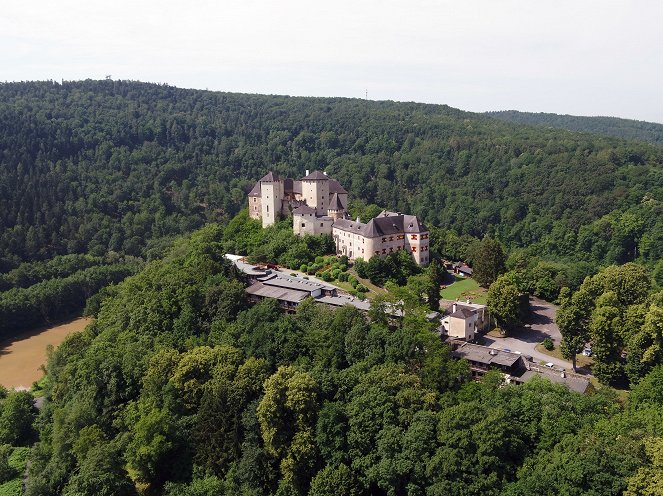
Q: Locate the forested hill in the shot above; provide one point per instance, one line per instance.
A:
(608, 126)
(99, 166)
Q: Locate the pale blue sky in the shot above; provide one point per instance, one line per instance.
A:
(581, 57)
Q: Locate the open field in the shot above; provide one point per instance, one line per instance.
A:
(21, 358)
(464, 288)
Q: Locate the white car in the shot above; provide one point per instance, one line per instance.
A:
(587, 352)
(550, 365)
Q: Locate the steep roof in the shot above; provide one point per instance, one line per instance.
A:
(303, 210)
(462, 313)
(315, 176)
(269, 177)
(335, 203)
(335, 187)
(411, 224)
(256, 190)
(349, 225)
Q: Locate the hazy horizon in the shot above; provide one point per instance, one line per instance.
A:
(578, 58)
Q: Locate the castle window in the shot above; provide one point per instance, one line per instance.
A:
(414, 236)
(391, 238)
(414, 249)
(384, 240)
(384, 250)
(321, 224)
(424, 236)
(267, 208)
(303, 224)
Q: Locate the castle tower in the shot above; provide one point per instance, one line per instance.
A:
(315, 191)
(336, 210)
(271, 198)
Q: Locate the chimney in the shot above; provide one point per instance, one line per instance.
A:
(453, 308)
(306, 173)
(358, 221)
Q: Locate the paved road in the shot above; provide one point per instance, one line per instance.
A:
(542, 321)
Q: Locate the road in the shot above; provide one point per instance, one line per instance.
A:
(542, 321)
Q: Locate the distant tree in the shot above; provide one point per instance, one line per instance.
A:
(573, 319)
(504, 303)
(489, 261)
(7, 472)
(16, 419)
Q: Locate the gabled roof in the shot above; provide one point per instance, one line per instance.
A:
(269, 177)
(370, 230)
(256, 190)
(335, 203)
(349, 225)
(335, 187)
(303, 210)
(315, 176)
(462, 313)
(411, 224)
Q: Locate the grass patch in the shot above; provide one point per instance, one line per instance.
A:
(464, 288)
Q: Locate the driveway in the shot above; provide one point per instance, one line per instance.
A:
(542, 322)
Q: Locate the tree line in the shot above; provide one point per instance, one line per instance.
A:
(90, 167)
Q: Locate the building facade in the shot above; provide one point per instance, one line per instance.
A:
(387, 233)
(318, 205)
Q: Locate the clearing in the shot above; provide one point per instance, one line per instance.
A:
(464, 288)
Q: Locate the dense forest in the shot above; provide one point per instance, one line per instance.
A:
(96, 166)
(180, 388)
(608, 126)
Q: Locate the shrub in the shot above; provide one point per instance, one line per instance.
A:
(361, 288)
(343, 277)
(548, 344)
(319, 260)
(303, 268)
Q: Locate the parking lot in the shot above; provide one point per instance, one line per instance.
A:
(542, 325)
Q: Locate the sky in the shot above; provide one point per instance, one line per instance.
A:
(580, 57)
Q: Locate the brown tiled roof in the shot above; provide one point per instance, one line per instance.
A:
(269, 177)
(256, 190)
(335, 187)
(462, 313)
(315, 176)
(335, 203)
(303, 209)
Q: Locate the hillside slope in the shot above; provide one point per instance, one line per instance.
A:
(93, 166)
(608, 126)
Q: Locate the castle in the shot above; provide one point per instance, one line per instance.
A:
(319, 206)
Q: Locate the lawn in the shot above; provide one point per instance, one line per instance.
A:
(464, 288)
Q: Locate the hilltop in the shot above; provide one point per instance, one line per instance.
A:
(608, 126)
(99, 166)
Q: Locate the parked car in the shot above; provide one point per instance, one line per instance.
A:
(550, 365)
(587, 352)
(507, 350)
